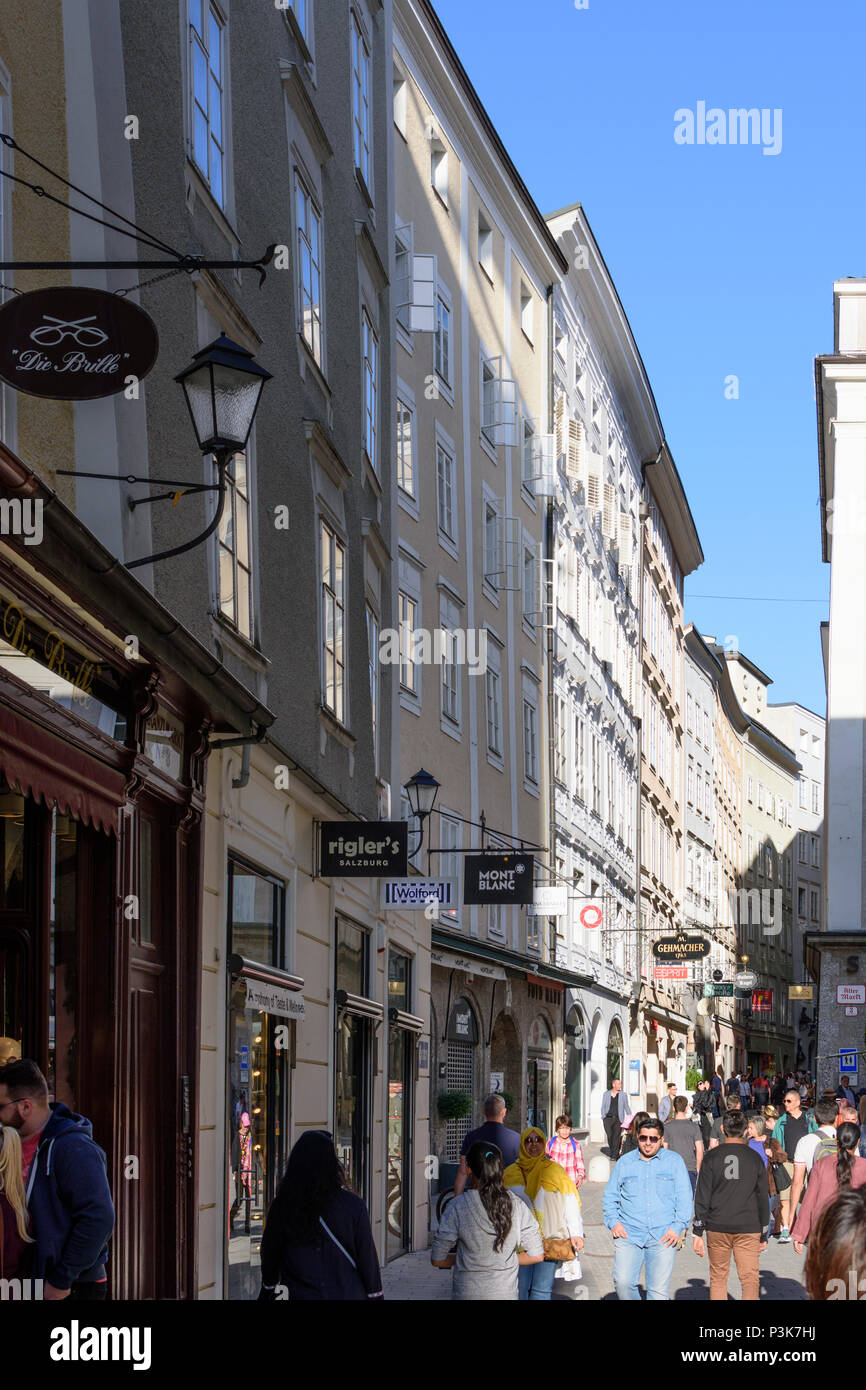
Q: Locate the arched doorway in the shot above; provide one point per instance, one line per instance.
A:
(575, 1067)
(615, 1055)
(461, 1036)
(539, 1076)
(505, 1066)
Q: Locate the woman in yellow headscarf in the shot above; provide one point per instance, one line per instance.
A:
(548, 1190)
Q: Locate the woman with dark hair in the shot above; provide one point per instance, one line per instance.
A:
(703, 1104)
(317, 1242)
(631, 1134)
(486, 1233)
(830, 1175)
(552, 1197)
(836, 1258)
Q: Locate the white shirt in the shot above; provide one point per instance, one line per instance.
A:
(805, 1150)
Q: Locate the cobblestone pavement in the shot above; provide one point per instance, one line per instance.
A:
(413, 1277)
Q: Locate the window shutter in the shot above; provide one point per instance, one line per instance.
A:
(414, 284)
(509, 556)
(543, 464)
(593, 491)
(608, 521)
(625, 539)
(499, 408)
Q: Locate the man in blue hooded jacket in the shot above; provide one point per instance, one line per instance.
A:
(68, 1198)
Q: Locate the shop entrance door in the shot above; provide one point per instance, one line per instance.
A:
(539, 1077)
(401, 1052)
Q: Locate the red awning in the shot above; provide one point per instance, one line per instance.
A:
(44, 766)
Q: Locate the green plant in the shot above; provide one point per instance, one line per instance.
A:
(693, 1076)
(453, 1105)
(509, 1100)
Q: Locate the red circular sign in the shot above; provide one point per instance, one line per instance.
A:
(69, 343)
(589, 912)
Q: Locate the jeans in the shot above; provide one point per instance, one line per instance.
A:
(535, 1282)
(627, 1261)
(774, 1202)
(744, 1248)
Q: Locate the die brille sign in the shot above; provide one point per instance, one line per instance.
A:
(363, 849)
(69, 343)
(498, 878)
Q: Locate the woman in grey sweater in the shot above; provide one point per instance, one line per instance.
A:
(493, 1231)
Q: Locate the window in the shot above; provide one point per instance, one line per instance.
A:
(596, 772)
(206, 30)
(760, 796)
(450, 686)
(491, 546)
(611, 792)
(560, 741)
(816, 746)
(488, 401)
(309, 269)
(301, 10)
(235, 545)
(801, 847)
(439, 169)
(816, 792)
(526, 311)
(528, 460)
(804, 792)
(361, 101)
(579, 779)
(373, 666)
(333, 617)
(814, 910)
(530, 742)
(485, 245)
(442, 341)
(530, 597)
(406, 479)
(816, 852)
(445, 492)
(690, 785)
(804, 740)
(768, 862)
(407, 613)
(801, 902)
(494, 712)
(750, 788)
(371, 351)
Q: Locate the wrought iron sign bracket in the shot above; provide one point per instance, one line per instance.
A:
(189, 263)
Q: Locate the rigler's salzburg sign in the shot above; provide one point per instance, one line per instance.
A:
(69, 343)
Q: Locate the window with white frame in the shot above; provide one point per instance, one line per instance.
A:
(528, 443)
(804, 792)
(485, 245)
(491, 545)
(802, 847)
(406, 478)
(760, 796)
(445, 492)
(494, 712)
(530, 586)
(488, 401)
(400, 102)
(309, 224)
(450, 862)
(333, 554)
(530, 740)
(302, 10)
(579, 758)
(235, 545)
(816, 746)
(361, 100)
(442, 341)
(801, 902)
(750, 788)
(526, 311)
(610, 780)
(371, 367)
(596, 772)
(208, 105)
(449, 621)
(816, 793)
(816, 852)
(407, 612)
(373, 667)
(814, 910)
(804, 740)
(560, 740)
(439, 168)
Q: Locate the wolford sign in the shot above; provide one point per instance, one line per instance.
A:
(73, 344)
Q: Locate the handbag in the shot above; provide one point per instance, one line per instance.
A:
(781, 1177)
(557, 1248)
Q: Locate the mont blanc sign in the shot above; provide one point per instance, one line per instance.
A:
(498, 878)
(69, 343)
(681, 947)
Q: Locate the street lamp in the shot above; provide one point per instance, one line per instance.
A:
(222, 387)
(421, 791)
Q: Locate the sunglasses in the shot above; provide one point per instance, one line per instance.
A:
(649, 1139)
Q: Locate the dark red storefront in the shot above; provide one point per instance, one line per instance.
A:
(103, 757)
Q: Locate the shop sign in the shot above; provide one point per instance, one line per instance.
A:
(745, 979)
(549, 902)
(498, 878)
(800, 992)
(468, 964)
(285, 1003)
(851, 994)
(48, 649)
(724, 990)
(461, 1024)
(670, 972)
(419, 892)
(497, 1083)
(681, 947)
(69, 343)
(762, 1001)
(634, 1077)
(423, 1057)
(363, 849)
(590, 912)
(850, 1010)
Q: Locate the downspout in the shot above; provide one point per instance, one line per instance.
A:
(639, 924)
(550, 639)
(244, 742)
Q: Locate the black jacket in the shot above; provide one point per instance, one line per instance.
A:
(321, 1269)
(732, 1195)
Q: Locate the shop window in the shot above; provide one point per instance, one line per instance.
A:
(256, 906)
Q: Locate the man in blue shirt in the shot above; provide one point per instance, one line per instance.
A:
(647, 1207)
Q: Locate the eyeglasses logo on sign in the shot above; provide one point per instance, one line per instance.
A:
(71, 343)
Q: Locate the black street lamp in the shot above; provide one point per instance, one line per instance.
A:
(421, 791)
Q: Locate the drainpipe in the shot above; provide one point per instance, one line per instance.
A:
(242, 742)
(550, 637)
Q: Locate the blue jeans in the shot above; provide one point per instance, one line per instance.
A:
(535, 1282)
(774, 1202)
(627, 1261)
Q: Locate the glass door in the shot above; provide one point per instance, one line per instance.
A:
(352, 1108)
(400, 1055)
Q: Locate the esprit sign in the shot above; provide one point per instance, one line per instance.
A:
(74, 344)
(363, 849)
(498, 878)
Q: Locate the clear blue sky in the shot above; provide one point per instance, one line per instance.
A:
(724, 257)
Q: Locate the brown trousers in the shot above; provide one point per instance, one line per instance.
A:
(745, 1250)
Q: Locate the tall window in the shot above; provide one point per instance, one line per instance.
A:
(442, 342)
(333, 618)
(371, 361)
(804, 792)
(235, 549)
(816, 852)
(361, 100)
(450, 687)
(373, 665)
(309, 268)
(301, 11)
(206, 29)
(530, 742)
(528, 442)
(488, 403)
(530, 596)
(801, 847)
(407, 612)
(579, 777)
(494, 712)
(816, 792)
(445, 491)
(560, 741)
(405, 449)
(596, 774)
(491, 547)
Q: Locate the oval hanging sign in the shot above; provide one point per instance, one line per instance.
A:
(69, 343)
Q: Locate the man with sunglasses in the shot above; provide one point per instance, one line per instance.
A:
(647, 1207)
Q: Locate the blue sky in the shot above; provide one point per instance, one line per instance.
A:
(724, 257)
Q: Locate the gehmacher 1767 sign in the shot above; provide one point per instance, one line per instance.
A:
(498, 878)
(363, 849)
(69, 343)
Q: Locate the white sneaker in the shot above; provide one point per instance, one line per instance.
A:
(785, 1236)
